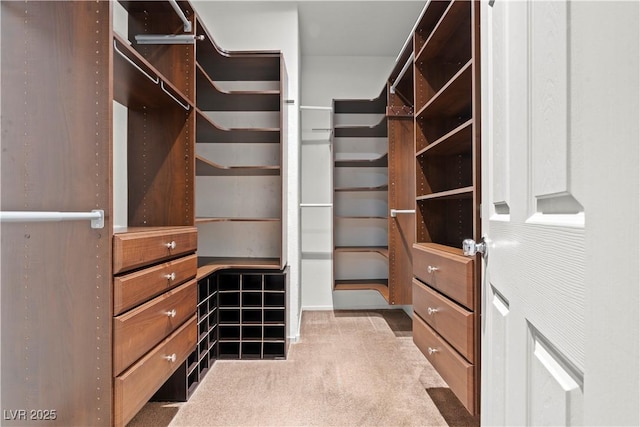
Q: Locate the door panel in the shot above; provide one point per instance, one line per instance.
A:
(534, 272)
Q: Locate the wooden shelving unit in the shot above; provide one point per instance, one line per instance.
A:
(360, 195)
(447, 161)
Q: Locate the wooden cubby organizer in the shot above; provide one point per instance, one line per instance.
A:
(446, 289)
(360, 180)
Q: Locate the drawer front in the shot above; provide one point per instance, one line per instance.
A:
(457, 372)
(140, 329)
(136, 385)
(135, 288)
(133, 250)
(453, 275)
(452, 322)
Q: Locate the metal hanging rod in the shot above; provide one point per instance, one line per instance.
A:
(181, 15)
(96, 216)
(154, 80)
(404, 70)
(167, 38)
(395, 212)
(186, 107)
(310, 107)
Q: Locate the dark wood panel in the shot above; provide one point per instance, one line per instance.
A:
(428, 21)
(375, 105)
(55, 143)
(401, 191)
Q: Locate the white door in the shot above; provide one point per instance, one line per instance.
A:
(560, 212)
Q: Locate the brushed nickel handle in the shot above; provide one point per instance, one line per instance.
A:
(431, 350)
(171, 358)
(171, 245)
(431, 269)
(171, 276)
(171, 313)
(432, 310)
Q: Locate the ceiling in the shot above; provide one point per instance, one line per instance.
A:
(356, 28)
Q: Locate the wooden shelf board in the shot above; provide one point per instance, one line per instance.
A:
(382, 250)
(381, 161)
(203, 220)
(455, 142)
(452, 98)
(384, 187)
(375, 105)
(209, 132)
(380, 285)
(377, 130)
(210, 97)
(209, 265)
(445, 28)
(465, 192)
(205, 167)
(437, 246)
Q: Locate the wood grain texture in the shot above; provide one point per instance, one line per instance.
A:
(454, 277)
(137, 287)
(138, 330)
(459, 374)
(135, 386)
(140, 248)
(452, 322)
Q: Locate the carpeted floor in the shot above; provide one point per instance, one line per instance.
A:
(350, 368)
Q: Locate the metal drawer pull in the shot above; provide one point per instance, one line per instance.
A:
(171, 358)
(431, 269)
(171, 245)
(171, 313)
(171, 276)
(432, 310)
(432, 350)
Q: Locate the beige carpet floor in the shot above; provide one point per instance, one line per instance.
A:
(349, 368)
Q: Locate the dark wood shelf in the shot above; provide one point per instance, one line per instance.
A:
(208, 265)
(452, 99)
(210, 132)
(383, 187)
(375, 105)
(380, 285)
(222, 65)
(206, 167)
(458, 193)
(452, 33)
(382, 250)
(379, 162)
(458, 141)
(430, 19)
(212, 98)
(376, 131)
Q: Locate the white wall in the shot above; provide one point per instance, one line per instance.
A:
(323, 79)
(269, 26)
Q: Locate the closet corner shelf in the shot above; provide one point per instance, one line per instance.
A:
(209, 132)
(383, 187)
(205, 167)
(452, 97)
(382, 250)
(381, 161)
(213, 98)
(209, 265)
(378, 130)
(380, 285)
(458, 193)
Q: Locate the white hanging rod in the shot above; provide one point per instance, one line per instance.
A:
(185, 106)
(183, 18)
(395, 212)
(167, 38)
(96, 216)
(115, 47)
(404, 70)
(311, 107)
(316, 205)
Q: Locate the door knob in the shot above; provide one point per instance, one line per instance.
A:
(471, 248)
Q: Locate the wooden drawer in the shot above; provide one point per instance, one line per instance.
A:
(457, 372)
(138, 330)
(137, 384)
(443, 269)
(452, 322)
(136, 288)
(137, 249)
